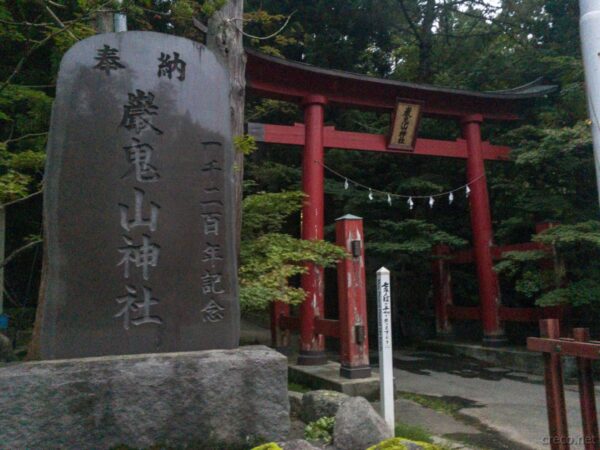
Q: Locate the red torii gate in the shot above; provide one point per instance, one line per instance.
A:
(313, 88)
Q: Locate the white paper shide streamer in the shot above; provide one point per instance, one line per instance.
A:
(389, 196)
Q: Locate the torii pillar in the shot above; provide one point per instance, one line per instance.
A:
(312, 344)
(481, 225)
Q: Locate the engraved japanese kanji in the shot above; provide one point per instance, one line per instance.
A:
(108, 59)
(168, 65)
(138, 112)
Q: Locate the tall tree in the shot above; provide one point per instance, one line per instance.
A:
(225, 38)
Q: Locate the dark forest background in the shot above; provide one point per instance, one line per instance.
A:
(471, 44)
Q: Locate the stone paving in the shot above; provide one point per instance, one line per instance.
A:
(502, 404)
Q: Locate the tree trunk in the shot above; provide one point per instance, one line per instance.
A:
(426, 43)
(225, 39)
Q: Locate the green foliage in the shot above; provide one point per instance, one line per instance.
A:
(245, 144)
(578, 247)
(262, 23)
(209, 7)
(409, 237)
(573, 279)
(270, 258)
(13, 185)
(320, 430)
(27, 160)
(184, 10)
(553, 174)
(269, 261)
(523, 269)
(585, 292)
(583, 235)
(265, 212)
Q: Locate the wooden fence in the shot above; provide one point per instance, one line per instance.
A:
(553, 348)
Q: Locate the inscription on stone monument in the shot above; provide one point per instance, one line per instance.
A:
(138, 201)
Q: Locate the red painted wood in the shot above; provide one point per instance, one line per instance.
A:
(481, 224)
(289, 323)
(327, 327)
(348, 140)
(507, 314)
(279, 337)
(587, 395)
(555, 394)
(564, 346)
(312, 224)
(290, 81)
(352, 294)
(515, 314)
(464, 312)
(442, 289)
(498, 251)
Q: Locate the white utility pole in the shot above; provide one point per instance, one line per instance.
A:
(589, 27)
(120, 20)
(109, 22)
(386, 368)
(2, 255)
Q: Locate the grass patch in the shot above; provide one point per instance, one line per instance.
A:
(412, 432)
(296, 387)
(402, 444)
(436, 403)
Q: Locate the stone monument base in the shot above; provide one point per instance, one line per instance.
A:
(215, 399)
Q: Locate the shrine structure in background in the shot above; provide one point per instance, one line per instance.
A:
(313, 88)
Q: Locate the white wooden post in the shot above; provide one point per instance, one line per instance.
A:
(386, 368)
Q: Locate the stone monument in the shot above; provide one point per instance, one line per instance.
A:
(138, 201)
(140, 259)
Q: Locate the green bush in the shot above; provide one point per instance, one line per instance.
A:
(320, 430)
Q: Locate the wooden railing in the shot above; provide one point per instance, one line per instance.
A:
(553, 348)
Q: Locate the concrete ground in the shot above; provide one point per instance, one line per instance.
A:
(464, 400)
(500, 408)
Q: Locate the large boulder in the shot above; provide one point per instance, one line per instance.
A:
(6, 350)
(358, 426)
(215, 399)
(321, 403)
(295, 403)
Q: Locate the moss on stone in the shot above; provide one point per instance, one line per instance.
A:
(268, 446)
(400, 444)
